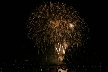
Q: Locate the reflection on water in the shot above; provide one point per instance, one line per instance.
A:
(33, 67)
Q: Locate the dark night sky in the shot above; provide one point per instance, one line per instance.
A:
(15, 14)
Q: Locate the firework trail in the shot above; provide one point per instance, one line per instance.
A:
(57, 25)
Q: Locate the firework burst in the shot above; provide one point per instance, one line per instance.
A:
(56, 25)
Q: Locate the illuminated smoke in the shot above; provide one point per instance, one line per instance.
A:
(57, 25)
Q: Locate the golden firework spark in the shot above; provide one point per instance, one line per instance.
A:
(56, 24)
